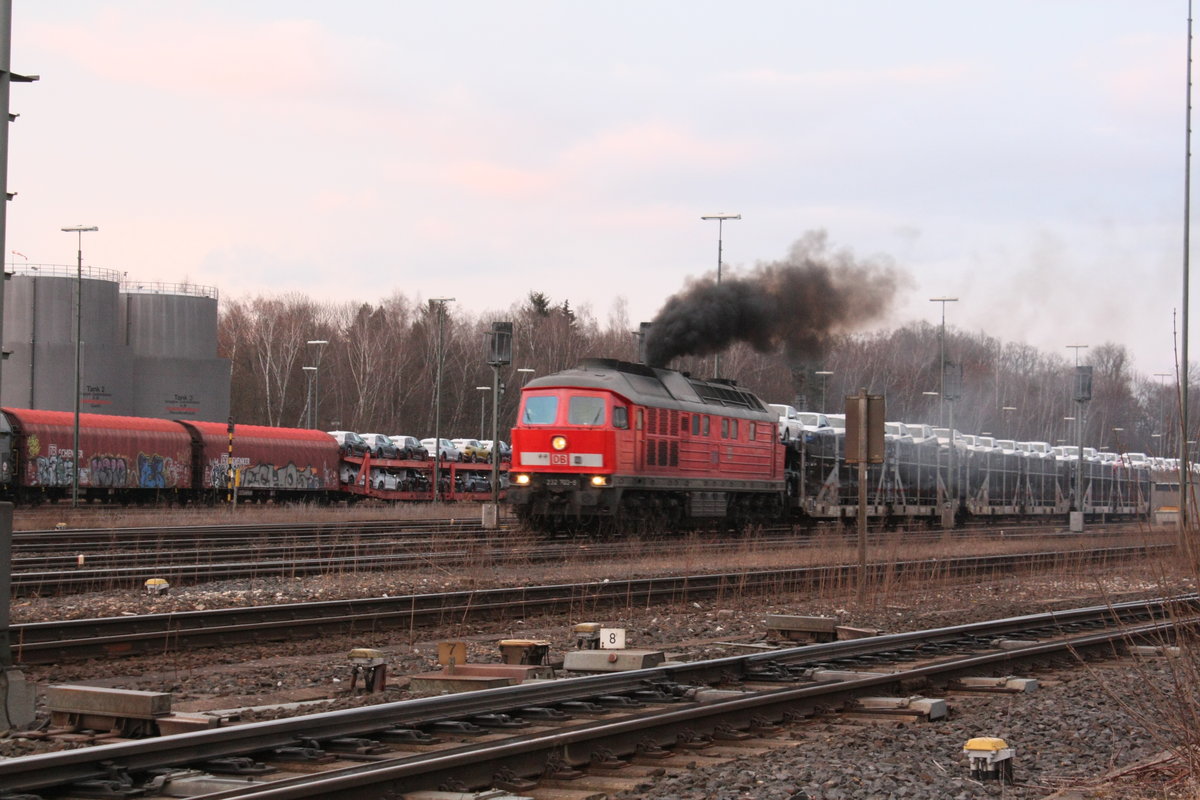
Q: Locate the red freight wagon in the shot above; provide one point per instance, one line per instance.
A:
(268, 461)
(116, 454)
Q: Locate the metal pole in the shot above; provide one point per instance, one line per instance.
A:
(229, 494)
(720, 230)
(720, 218)
(6, 517)
(824, 376)
(862, 493)
(942, 369)
(437, 397)
(78, 348)
(437, 412)
(79, 231)
(1163, 447)
(315, 405)
(1184, 467)
(1078, 432)
(951, 481)
(495, 454)
(942, 356)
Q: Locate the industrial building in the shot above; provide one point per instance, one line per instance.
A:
(146, 349)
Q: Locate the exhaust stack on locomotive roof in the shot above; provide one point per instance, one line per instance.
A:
(643, 335)
(797, 303)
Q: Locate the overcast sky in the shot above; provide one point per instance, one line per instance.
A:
(1026, 157)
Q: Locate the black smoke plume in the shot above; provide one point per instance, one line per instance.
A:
(796, 304)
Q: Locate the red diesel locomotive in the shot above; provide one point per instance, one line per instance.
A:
(614, 440)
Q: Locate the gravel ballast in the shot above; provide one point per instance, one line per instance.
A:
(1073, 729)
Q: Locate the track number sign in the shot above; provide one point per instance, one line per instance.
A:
(612, 638)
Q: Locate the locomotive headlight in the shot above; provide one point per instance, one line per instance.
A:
(521, 479)
(559, 443)
(599, 480)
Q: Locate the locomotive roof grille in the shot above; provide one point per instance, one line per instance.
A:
(672, 385)
(726, 396)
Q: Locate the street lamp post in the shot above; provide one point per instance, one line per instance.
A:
(308, 399)
(437, 395)
(824, 373)
(1162, 445)
(315, 417)
(482, 398)
(79, 230)
(1008, 420)
(720, 218)
(942, 356)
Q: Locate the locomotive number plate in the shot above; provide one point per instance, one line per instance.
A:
(560, 483)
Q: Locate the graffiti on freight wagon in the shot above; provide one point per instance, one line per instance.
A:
(55, 467)
(107, 470)
(266, 476)
(152, 471)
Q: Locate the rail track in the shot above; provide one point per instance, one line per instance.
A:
(551, 732)
(60, 562)
(51, 642)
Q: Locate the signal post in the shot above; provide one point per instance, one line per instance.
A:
(864, 445)
(16, 694)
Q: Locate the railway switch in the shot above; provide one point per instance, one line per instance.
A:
(524, 651)
(156, 586)
(990, 758)
(587, 636)
(795, 628)
(371, 664)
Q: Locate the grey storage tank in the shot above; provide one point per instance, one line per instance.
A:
(39, 332)
(147, 349)
(171, 330)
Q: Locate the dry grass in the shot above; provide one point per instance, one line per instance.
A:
(47, 517)
(906, 567)
(1161, 693)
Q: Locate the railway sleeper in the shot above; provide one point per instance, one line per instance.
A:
(915, 708)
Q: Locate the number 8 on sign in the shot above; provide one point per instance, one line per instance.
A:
(612, 638)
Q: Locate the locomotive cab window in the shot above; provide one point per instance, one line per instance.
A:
(620, 417)
(695, 424)
(584, 410)
(540, 410)
(704, 426)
